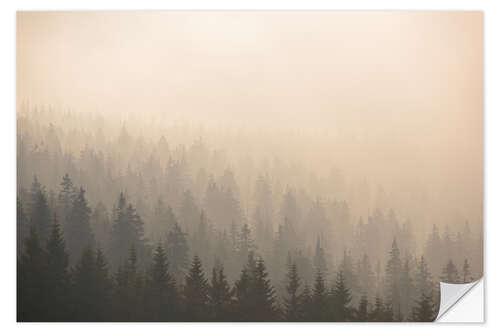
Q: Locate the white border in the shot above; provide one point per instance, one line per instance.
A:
(7, 133)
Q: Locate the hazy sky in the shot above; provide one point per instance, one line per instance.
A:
(409, 83)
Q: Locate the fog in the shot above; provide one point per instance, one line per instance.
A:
(359, 114)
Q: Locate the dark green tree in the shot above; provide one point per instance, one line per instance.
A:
(362, 310)
(319, 300)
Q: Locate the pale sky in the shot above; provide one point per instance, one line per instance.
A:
(395, 76)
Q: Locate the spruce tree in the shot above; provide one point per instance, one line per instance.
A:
(341, 299)
(220, 295)
(424, 310)
(160, 290)
(32, 297)
(319, 300)
(393, 279)
(196, 292)
(177, 253)
(466, 271)
(263, 295)
(58, 281)
(41, 215)
(362, 311)
(450, 273)
(78, 232)
(292, 301)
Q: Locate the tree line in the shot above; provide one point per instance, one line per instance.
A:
(49, 289)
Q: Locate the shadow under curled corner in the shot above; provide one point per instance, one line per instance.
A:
(455, 302)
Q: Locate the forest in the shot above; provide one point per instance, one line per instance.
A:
(128, 220)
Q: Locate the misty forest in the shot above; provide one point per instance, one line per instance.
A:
(131, 218)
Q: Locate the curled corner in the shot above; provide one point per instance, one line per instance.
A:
(451, 294)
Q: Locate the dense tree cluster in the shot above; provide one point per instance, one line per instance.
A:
(131, 230)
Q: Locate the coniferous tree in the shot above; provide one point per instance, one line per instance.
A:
(220, 295)
(66, 197)
(292, 301)
(40, 215)
(128, 290)
(77, 230)
(58, 281)
(319, 259)
(466, 271)
(378, 313)
(362, 310)
(424, 309)
(450, 273)
(423, 278)
(341, 297)
(393, 279)
(32, 281)
(262, 294)
(22, 227)
(319, 300)
(177, 253)
(160, 291)
(196, 292)
(127, 232)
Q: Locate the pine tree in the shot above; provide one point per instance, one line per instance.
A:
(220, 295)
(196, 292)
(292, 301)
(160, 290)
(450, 273)
(341, 297)
(77, 230)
